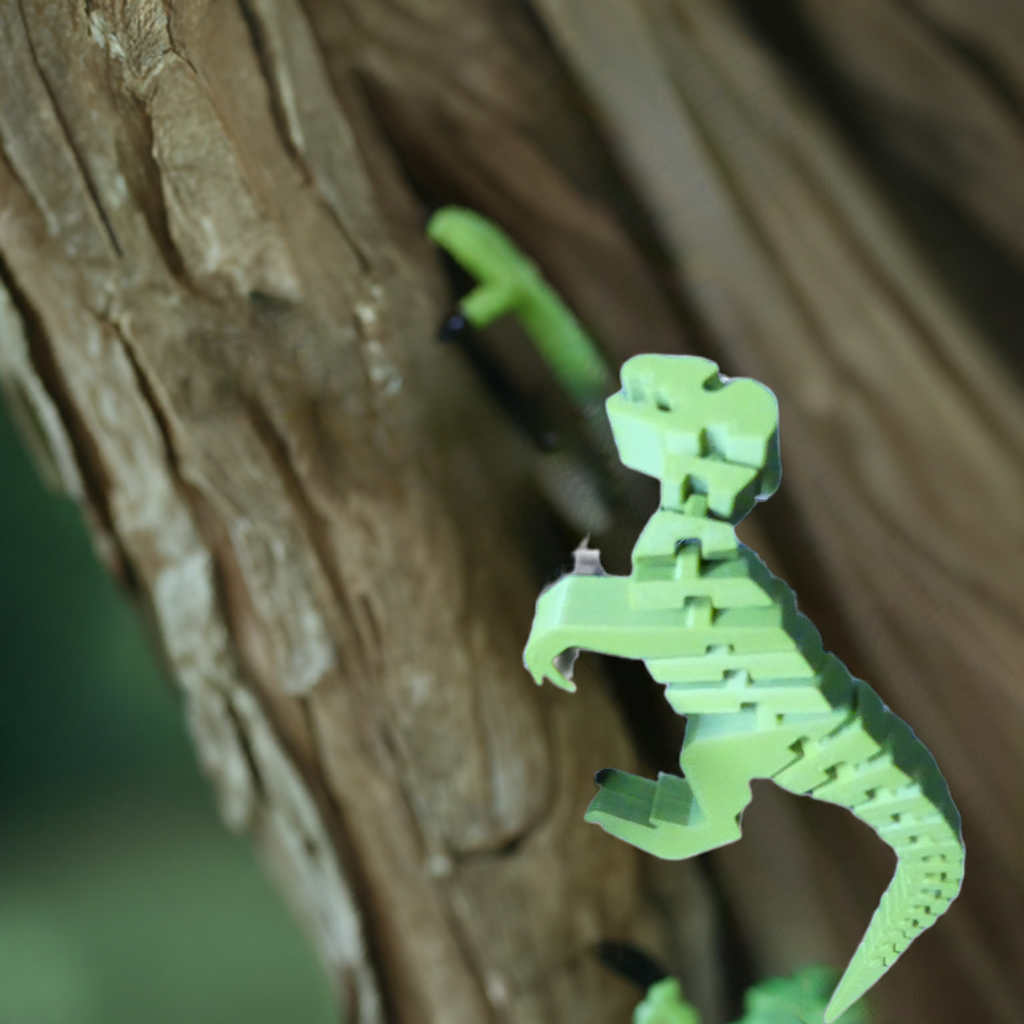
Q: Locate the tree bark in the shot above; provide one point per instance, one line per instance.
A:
(216, 325)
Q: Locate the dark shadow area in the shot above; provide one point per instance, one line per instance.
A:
(973, 268)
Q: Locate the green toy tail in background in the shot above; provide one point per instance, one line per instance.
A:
(582, 478)
(511, 284)
(762, 698)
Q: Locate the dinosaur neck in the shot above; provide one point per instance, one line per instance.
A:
(682, 531)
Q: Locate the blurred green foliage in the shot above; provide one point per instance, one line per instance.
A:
(123, 897)
(800, 999)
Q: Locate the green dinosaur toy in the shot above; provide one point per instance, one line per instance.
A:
(762, 698)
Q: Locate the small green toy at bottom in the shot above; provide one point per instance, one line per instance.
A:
(801, 998)
(664, 1004)
(797, 1000)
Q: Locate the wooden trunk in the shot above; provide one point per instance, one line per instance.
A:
(218, 320)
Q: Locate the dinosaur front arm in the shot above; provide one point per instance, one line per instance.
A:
(577, 612)
(594, 613)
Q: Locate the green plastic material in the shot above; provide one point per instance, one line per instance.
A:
(761, 696)
(800, 999)
(664, 1004)
(511, 284)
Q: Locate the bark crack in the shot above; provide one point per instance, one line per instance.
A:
(354, 654)
(69, 139)
(94, 476)
(352, 868)
(245, 746)
(257, 33)
(273, 67)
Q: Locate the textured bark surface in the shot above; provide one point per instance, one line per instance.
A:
(216, 326)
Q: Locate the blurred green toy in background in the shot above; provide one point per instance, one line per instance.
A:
(800, 999)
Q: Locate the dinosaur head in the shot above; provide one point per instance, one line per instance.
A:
(677, 420)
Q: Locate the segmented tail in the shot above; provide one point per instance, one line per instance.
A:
(875, 766)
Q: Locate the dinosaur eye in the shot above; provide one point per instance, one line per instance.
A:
(662, 403)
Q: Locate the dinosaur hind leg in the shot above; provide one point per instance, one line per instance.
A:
(674, 818)
(660, 817)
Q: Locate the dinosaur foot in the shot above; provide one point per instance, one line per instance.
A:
(660, 817)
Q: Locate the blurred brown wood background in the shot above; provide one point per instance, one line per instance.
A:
(217, 323)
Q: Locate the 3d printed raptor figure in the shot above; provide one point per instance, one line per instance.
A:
(762, 698)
